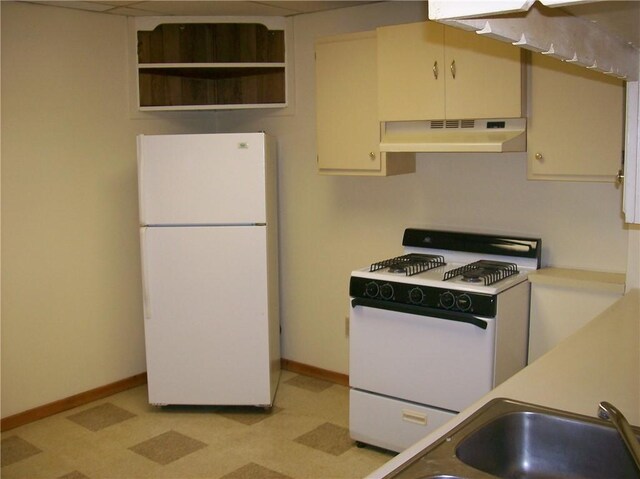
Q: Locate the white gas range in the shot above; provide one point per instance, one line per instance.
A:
(434, 330)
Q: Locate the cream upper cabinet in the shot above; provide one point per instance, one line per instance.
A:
(427, 71)
(575, 127)
(348, 132)
(410, 72)
(484, 76)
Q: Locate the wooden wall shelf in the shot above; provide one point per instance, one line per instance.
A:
(183, 65)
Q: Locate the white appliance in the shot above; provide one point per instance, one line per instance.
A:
(208, 216)
(434, 330)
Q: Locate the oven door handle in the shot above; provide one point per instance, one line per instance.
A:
(420, 310)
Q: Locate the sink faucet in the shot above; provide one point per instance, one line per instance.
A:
(610, 412)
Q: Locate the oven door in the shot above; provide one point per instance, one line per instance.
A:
(436, 360)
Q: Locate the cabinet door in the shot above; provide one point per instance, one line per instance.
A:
(575, 128)
(411, 72)
(483, 76)
(348, 133)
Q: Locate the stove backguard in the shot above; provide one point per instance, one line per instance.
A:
(515, 249)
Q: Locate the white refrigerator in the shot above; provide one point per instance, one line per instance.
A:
(208, 235)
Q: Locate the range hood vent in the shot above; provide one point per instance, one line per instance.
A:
(494, 135)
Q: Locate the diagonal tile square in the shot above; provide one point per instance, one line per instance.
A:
(74, 475)
(101, 416)
(167, 447)
(309, 383)
(247, 415)
(328, 438)
(15, 449)
(254, 471)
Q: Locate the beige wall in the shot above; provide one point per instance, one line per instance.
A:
(71, 306)
(331, 225)
(633, 258)
(71, 300)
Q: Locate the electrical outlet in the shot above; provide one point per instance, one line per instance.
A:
(346, 326)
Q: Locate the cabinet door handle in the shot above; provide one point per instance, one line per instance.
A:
(453, 69)
(435, 69)
(372, 156)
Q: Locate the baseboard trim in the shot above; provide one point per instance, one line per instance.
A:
(40, 412)
(300, 368)
(76, 400)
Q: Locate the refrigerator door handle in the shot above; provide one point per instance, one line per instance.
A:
(141, 203)
(146, 306)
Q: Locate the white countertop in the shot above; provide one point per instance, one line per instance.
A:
(600, 362)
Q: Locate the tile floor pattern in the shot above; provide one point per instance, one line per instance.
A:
(304, 436)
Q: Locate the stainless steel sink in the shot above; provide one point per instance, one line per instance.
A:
(515, 440)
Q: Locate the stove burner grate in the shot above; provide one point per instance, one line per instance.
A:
(486, 271)
(409, 264)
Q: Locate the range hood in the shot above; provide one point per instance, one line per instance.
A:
(488, 135)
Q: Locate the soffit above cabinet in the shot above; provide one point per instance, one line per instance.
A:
(601, 38)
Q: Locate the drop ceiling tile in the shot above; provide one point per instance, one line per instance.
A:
(198, 8)
(88, 6)
(133, 12)
(309, 7)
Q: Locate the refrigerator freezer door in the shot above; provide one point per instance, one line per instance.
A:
(207, 327)
(202, 179)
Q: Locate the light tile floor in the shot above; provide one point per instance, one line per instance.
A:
(304, 436)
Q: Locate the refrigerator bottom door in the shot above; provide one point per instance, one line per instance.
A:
(208, 331)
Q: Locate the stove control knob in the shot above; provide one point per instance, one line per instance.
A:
(416, 296)
(463, 302)
(386, 291)
(372, 289)
(447, 300)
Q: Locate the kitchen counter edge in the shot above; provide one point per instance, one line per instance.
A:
(580, 279)
(600, 362)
